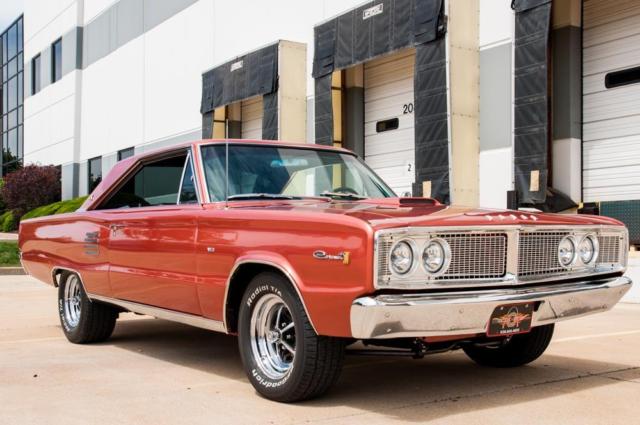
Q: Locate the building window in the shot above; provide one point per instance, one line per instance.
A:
(95, 172)
(56, 60)
(11, 92)
(35, 74)
(125, 153)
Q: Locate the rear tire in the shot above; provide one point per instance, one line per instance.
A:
(82, 320)
(283, 357)
(519, 350)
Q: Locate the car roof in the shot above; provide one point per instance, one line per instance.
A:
(202, 142)
(121, 168)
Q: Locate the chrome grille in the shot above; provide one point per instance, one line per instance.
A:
(384, 246)
(538, 253)
(609, 249)
(508, 255)
(476, 255)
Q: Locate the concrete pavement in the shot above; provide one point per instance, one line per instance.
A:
(156, 372)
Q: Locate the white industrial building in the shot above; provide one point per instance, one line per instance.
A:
(471, 108)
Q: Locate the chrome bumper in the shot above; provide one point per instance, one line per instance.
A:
(468, 312)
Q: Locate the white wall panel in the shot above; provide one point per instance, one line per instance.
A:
(93, 8)
(58, 154)
(49, 119)
(270, 21)
(496, 20)
(495, 177)
(45, 22)
(173, 66)
(112, 101)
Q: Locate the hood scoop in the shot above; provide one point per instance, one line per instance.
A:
(405, 202)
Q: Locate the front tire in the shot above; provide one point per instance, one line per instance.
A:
(283, 357)
(82, 320)
(517, 351)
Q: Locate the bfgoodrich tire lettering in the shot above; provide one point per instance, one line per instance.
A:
(519, 350)
(82, 320)
(283, 357)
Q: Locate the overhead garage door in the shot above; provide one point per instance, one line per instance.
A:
(252, 118)
(388, 114)
(611, 120)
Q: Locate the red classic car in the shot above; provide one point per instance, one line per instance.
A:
(301, 250)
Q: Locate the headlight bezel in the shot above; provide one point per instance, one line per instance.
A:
(412, 247)
(574, 257)
(446, 252)
(595, 244)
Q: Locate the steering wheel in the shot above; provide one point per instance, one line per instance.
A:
(345, 189)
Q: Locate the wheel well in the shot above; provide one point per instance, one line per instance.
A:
(57, 275)
(238, 284)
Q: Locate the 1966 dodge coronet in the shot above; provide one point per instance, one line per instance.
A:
(301, 250)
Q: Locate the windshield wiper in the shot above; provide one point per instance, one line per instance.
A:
(343, 195)
(250, 196)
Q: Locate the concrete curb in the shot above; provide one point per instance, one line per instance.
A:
(11, 271)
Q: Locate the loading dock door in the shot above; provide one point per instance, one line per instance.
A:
(389, 139)
(252, 118)
(611, 124)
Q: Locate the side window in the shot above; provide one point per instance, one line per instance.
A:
(214, 163)
(188, 188)
(156, 183)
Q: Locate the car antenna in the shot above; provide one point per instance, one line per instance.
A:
(226, 175)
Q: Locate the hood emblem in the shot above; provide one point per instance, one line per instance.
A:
(341, 256)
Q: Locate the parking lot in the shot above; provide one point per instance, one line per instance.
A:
(157, 372)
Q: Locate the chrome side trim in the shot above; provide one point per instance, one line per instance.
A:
(468, 312)
(162, 313)
(268, 263)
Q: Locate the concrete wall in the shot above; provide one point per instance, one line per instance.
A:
(132, 77)
(138, 79)
(51, 117)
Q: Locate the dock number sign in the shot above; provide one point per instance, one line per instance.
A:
(372, 11)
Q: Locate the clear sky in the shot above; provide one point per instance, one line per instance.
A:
(9, 11)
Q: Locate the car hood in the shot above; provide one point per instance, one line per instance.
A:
(398, 212)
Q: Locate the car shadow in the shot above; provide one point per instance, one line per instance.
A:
(435, 387)
(206, 351)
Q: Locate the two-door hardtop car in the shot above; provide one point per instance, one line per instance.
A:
(301, 250)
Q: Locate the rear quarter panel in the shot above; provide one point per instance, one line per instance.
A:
(75, 241)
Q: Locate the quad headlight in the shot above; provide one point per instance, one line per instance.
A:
(567, 251)
(436, 256)
(588, 249)
(583, 253)
(401, 257)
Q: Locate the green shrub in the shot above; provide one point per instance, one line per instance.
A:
(8, 222)
(60, 207)
(9, 254)
(3, 206)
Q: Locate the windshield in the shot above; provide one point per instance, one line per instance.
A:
(270, 172)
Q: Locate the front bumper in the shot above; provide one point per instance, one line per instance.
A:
(468, 312)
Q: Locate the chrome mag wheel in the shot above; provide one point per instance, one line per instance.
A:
(273, 336)
(72, 301)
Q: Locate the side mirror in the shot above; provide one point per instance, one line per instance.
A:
(406, 195)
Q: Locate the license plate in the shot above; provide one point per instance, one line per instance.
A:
(510, 319)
